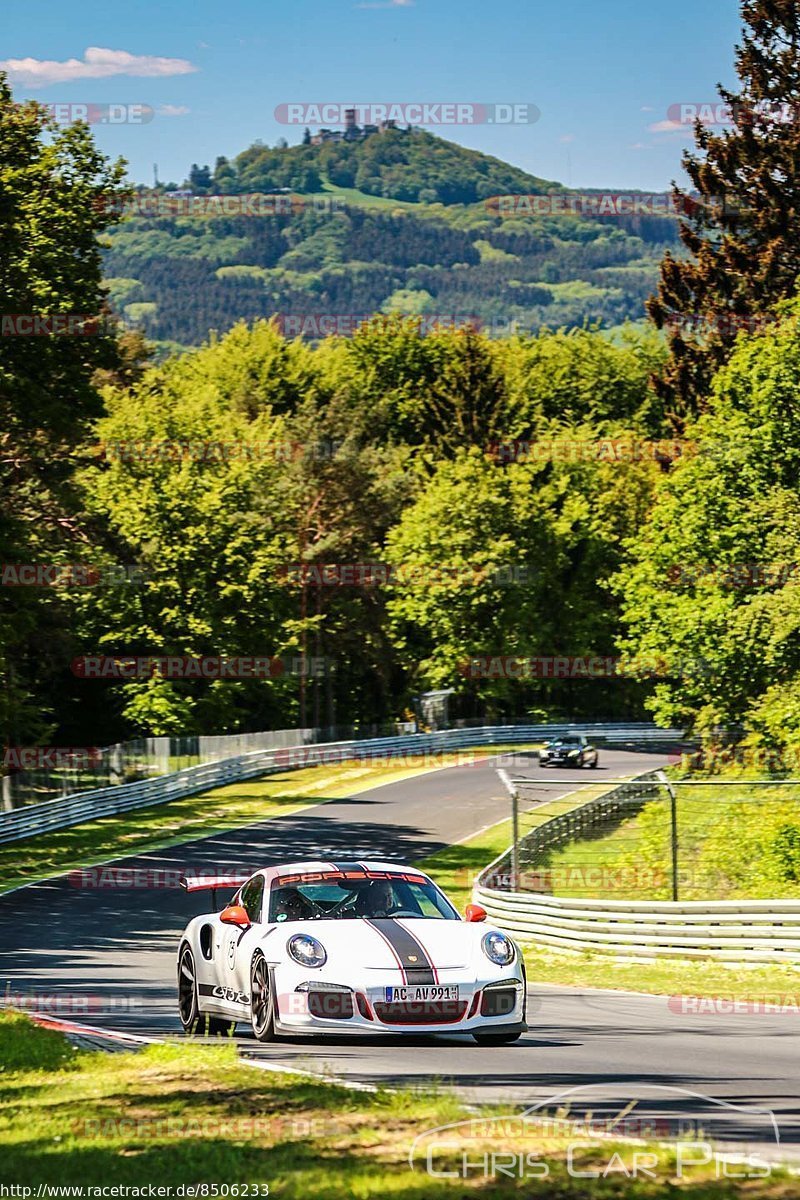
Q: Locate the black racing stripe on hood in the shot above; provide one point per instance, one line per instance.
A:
(417, 965)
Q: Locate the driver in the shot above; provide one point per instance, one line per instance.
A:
(377, 900)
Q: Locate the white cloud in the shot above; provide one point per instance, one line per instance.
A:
(387, 4)
(173, 110)
(567, 137)
(97, 63)
(639, 146)
(646, 108)
(669, 127)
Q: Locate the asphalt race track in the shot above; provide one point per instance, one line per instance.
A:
(110, 954)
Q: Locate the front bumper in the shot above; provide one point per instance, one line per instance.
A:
(324, 1007)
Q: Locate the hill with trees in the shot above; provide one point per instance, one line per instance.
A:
(399, 222)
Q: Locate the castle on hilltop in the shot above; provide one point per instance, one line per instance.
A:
(351, 132)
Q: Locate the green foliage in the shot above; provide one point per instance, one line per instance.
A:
(755, 849)
(399, 164)
(393, 213)
(734, 502)
(55, 187)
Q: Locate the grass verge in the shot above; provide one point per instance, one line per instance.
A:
(180, 1115)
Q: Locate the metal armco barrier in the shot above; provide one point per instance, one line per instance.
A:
(71, 810)
(735, 931)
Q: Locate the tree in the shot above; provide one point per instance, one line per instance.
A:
(58, 194)
(306, 136)
(711, 582)
(200, 179)
(512, 561)
(743, 232)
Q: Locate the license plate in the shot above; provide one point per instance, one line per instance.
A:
(413, 993)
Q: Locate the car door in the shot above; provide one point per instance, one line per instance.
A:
(234, 967)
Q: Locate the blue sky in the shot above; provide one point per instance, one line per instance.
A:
(603, 73)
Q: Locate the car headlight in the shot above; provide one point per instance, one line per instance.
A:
(498, 948)
(573, 753)
(306, 950)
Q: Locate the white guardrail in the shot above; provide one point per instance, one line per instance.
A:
(733, 931)
(33, 819)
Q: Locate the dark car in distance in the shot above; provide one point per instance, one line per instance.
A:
(568, 751)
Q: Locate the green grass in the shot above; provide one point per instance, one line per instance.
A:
(666, 978)
(724, 849)
(180, 1114)
(356, 198)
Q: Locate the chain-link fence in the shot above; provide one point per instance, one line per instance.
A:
(36, 774)
(655, 838)
(66, 771)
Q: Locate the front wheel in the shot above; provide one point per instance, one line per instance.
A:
(262, 1007)
(496, 1039)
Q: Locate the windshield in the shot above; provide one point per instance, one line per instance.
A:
(566, 741)
(344, 895)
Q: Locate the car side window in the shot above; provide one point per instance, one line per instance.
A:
(252, 894)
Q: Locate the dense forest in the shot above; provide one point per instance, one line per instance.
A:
(410, 507)
(333, 247)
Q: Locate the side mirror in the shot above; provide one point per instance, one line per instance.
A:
(234, 914)
(474, 912)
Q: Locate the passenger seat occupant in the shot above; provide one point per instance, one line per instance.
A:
(291, 905)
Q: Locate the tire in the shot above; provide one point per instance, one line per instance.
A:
(262, 1001)
(593, 764)
(496, 1039)
(194, 1022)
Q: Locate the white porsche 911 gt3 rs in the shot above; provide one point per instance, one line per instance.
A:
(357, 947)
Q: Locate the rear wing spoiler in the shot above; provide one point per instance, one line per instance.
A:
(210, 883)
